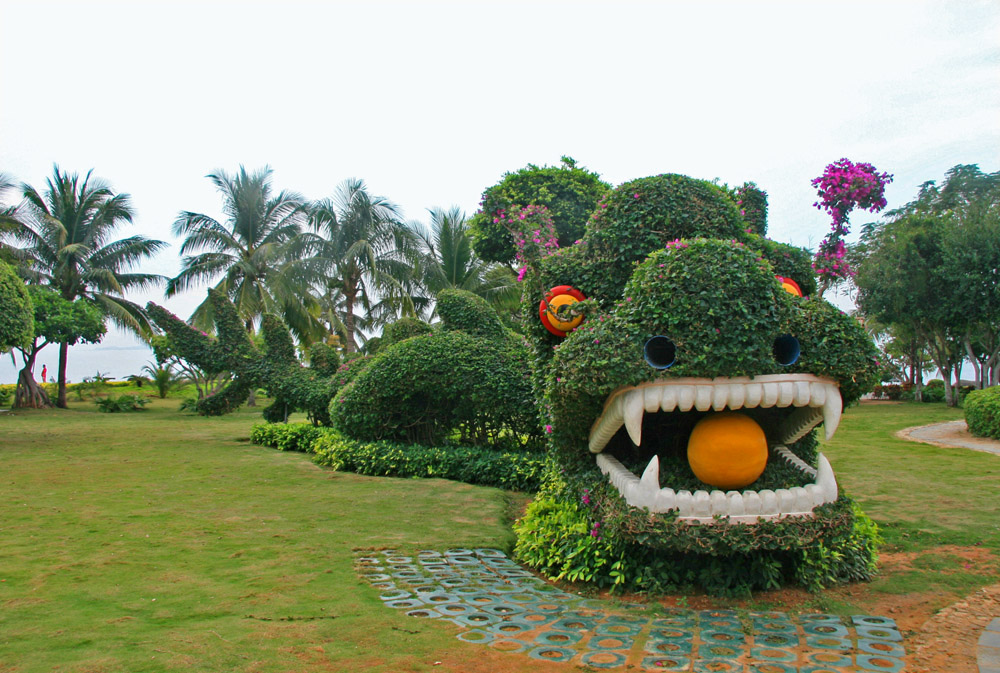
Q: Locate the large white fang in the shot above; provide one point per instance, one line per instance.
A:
(632, 411)
(833, 406)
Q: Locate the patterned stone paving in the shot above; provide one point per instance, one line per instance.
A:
(499, 604)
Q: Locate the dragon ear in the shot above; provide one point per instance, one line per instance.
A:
(790, 286)
(561, 295)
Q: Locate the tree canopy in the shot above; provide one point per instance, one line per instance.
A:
(571, 193)
(933, 269)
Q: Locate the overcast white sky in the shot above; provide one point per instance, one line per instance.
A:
(430, 103)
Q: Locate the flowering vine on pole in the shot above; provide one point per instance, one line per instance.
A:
(534, 234)
(843, 187)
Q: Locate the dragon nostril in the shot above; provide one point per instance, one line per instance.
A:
(786, 350)
(659, 352)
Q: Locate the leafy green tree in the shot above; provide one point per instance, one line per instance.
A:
(57, 320)
(64, 238)
(900, 283)
(571, 194)
(932, 271)
(17, 327)
(251, 250)
(361, 257)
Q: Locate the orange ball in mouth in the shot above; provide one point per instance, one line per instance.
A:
(727, 450)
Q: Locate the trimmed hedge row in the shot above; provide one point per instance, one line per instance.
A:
(982, 412)
(514, 471)
(485, 467)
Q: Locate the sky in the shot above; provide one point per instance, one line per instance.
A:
(432, 102)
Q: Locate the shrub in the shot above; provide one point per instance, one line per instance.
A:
(580, 540)
(422, 389)
(286, 436)
(403, 329)
(122, 403)
(514, 471)
(982, 412)
(5, 395)
(568, 192)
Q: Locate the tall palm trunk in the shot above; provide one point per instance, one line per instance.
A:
(252, 397)
(63, 356)
(350, 295)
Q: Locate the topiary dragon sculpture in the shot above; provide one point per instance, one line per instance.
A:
(681, 367)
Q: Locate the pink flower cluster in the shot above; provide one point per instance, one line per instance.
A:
(534, 234)
(843, 187)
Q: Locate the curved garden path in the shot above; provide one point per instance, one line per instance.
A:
(969, 626)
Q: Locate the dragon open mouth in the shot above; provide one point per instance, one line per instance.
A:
(788, 406)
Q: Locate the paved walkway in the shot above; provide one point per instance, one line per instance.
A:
(953, 434)
(989, 648)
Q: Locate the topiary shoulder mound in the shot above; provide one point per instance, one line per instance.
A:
(468, 381)
(683, 407)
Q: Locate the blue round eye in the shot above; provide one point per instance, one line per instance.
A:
(786, 350)
(659, 352)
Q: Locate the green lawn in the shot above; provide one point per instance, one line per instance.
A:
(161, 541)
(923, 497)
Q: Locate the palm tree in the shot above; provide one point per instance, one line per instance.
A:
(363, 254)
(251, 251)
(66, 237)
(447, 261)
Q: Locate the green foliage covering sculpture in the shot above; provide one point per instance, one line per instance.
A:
(469, 377)
(569, 192)
(275, 366)
(681, 412)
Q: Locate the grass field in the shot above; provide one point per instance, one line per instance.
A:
(162, 541)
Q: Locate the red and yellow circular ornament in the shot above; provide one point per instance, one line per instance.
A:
(561, 295)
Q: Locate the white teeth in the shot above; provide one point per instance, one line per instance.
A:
(703, 398)
(685, 398)
(669, 400)
(737, 393)
(802, 393)
(786, 394)
(817, 394)
(633, 416)
(702, 506)
(833, 405)
(770, 395)
(720, 397)
(798, 424)
(651, 398)
(628, 406)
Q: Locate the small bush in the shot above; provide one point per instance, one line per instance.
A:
(122, 403)
(514, 471)
(286, 436)
(982, 412)
(5, 394)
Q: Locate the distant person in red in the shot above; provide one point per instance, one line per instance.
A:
(43, 373)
